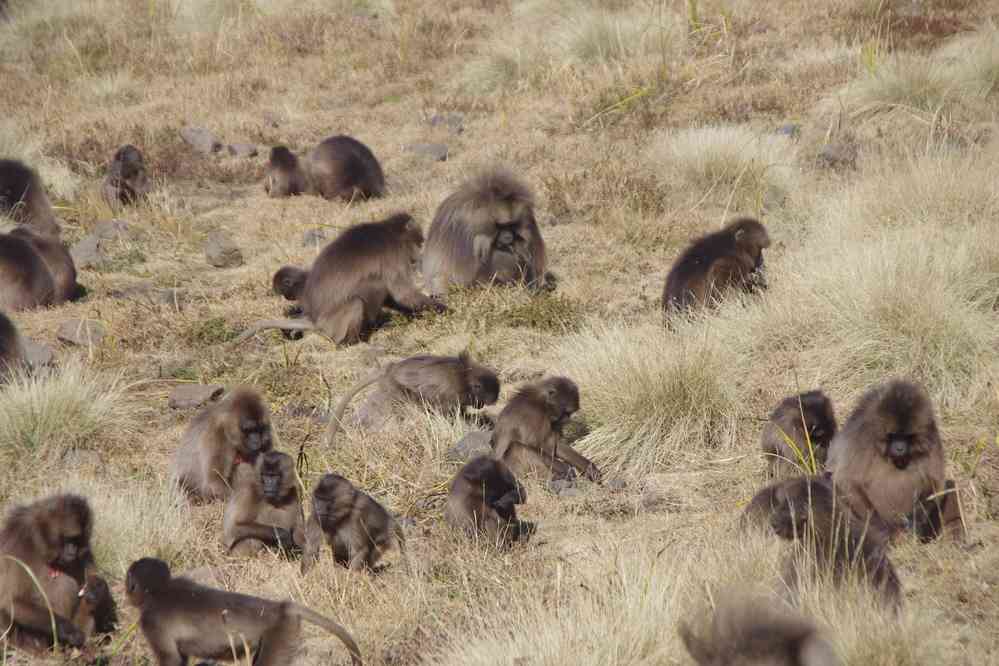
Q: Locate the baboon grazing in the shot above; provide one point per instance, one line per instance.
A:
(528, 431)
(798, 421)
(290, 282)
(356, 527)
(264, 508)
(51, 535)
(285, 175)
(36, 270)
(747, 631)
(23, 198)
(482, 500)
(808, 509)
(485, 231)
(441, 382)
(888, 458)
(181, 619)
(12, 352)
(712, 264)
(126, 181)
(368, 267)
(218, 440)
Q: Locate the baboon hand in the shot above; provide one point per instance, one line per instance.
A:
(482, 246)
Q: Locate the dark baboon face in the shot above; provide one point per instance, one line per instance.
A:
(561, 398)
(908, 425)
(65, 526)
(751, 237)
(249, 426)
(275, 470)
(145, 577)
(95, 591)
(290, 282)
(283, 158)
(820, 420)
(483, 387)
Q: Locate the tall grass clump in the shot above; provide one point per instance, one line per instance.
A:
(728, 164)
(974, 60)
(50, 413)
(651, 399)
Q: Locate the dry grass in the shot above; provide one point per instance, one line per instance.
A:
(641, 125)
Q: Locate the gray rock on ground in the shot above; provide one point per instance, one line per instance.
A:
(453, 122)
(242, 149)
(91, 250)
(437, 152)
(191, 396)
(221, 250)
(838, 154)
(37, 354)
(81, 332)
(201, 139)
(147, 292)
(474, 443)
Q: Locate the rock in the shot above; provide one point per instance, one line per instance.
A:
(191, 396)
(82, 332)
(147, 292)
(454, 122)
(87, 253)
(790, 130)
(616, 484)
(434, 151)
(563, 487)
(221, 251)
(242, 149)
(840, 154)
(111, 230)
(313, 238)
(38, 355)
(201, 139)
(475, 443)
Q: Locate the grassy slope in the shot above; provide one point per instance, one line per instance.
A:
(640, 125)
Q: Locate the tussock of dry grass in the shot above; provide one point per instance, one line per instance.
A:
(17, 142)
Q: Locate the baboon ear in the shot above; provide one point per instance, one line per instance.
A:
(739, 234)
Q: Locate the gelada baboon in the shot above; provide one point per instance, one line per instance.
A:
(264, 508)
(747, 631)
(808, 510)
(126, 181)
(356, 527)
(797, 436)
(483, 499)
(96, 612)
(12, 352)
(712, 264)
(441, 382)
(888, 458)
(220, 438)
(49, 537)
(36, 270)
(90, 608)
(182, 619)
(485, 231)
(368, 267)
(528, 431)
(23, 198)
(340, 167)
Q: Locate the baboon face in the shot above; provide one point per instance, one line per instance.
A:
(145, 577)
(95, 590)
(290, 282)
(249, 427)
(483, 387)
(66, 532)
(820, 419)
(562, 397)
(908, 427)
(275, 475)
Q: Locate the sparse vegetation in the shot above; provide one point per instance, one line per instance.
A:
(640, 125)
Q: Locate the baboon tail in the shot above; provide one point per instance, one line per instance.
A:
(329, 625)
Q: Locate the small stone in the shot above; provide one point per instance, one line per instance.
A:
(434, 151)
(38, 355)
(221, 251)
(113, 230)
(454, 122)
(201, 139)
(87, 253)
(790, 130)
(564, 487)
(616, 484)
(82, 332)
(191, 396)
(475, 443)
(839, 154)
(313, 238)
(243, 149)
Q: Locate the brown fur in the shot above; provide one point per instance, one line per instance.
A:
(23, 198)
(126, 181)
(264, 508)
(181, 619)
(805, 419)
(744, 631)
(441, 382)
(368, 267)
(357, 528)
(528, 431)
(482, 501)
(35, 271)
(340, 167)
(285, 175)
(899, 490)
(12, 352)
(218, 440)
(723, 260)
(485, 231)
(50, 537)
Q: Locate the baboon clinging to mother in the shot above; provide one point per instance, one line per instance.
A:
(368, 267)
(340, 167)
(728, 259)
(483, 500)
(888, 459)
(485, 231)
(798, 433)
(264, 508)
